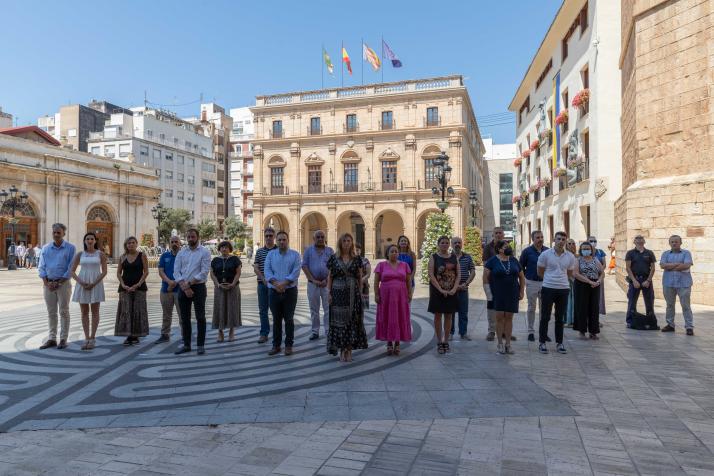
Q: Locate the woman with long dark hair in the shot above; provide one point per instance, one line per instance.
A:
(132, 316)
(89, 290)
(444, 276)
(406, 255)
(344, 285)
(586, 292)
(225, 273)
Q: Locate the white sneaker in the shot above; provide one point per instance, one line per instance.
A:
(561, 349)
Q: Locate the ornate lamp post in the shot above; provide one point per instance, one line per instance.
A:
(14, 201)
(442, 172)
(159, 213)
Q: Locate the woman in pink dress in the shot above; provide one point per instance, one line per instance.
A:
(393, 293)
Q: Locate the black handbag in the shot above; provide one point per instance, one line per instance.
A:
(642, 322)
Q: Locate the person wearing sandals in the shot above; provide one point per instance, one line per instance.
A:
(366, 273)
(588, 275)
(89, 290)
(392, 294)
(132, 318)
(344, 282)
(505, 285)
(225, 274)
(571, 246)
(444, 278)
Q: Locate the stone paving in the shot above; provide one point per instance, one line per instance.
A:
(631, 403)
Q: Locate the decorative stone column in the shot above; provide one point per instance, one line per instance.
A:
(456, 158)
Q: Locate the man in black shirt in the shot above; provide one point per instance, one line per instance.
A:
(641, 265)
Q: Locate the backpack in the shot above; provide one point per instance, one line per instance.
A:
(642, 322)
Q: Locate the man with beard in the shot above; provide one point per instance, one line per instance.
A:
(190, 272)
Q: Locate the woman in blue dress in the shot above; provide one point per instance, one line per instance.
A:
(406, 255)
(506, 286)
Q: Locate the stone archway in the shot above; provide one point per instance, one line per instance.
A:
(310, 223)
(421, 229)
(388, 226)
(353, 223)
(26, 226)
(278, 222)
(100, 221)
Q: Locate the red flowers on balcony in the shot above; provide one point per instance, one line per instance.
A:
(517, 162)
(535, 144)
(562, 118)
(582, 98)
(526, 153)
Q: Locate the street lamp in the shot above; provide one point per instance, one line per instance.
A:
(159, 213)
(14, 201)
(442, 173)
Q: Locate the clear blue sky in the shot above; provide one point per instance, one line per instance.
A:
(71, 52)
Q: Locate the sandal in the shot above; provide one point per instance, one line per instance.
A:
(390, 349)
(86, 344)
(441, 348)
(231, 337)
(509, 351)
(91, 343)
(129, 341)
(396, 349)
(220, 337)
(447, 349)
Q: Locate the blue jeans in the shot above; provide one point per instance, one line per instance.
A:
(463, 297)
(263, 305)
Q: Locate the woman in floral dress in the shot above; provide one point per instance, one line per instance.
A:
(344, 283)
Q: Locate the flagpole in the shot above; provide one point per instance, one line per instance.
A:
(322, 69)
(362, 61)
(342, 63)
(382, 58)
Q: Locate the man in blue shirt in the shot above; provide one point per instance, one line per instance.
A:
(677, 281)
(314, 265)
(55, 270)
(169, 288)
(282, 270)
(467, 274)
(534, 283)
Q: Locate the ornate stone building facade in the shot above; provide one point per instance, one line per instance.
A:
(83, 191)
(360, 160)
(668, 133)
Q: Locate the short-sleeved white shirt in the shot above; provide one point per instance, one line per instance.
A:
(556, 268)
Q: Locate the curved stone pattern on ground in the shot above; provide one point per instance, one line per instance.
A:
(51, 386)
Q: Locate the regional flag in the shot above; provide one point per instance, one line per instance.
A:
(369, 55)
(328, 62)
(390, 54)
(346, 59)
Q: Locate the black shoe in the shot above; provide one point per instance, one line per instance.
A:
(48, 344)
(314, 336)
(491, 336)
(182, 350)
(162, 339)
(62, 344)
(274, 351)
(201, 350)
(547, 339)
(128, 341)
(690, 332)
(531, 338)
(668, 328)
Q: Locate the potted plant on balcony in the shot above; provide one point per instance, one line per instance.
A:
(576, 162)
(560, 171)
(581, 100)
(524, 195)
(517, 163)
(526, 153)
(516, 199)
(535, 144)
(562, 118)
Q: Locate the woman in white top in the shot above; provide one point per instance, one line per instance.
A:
(89, 290)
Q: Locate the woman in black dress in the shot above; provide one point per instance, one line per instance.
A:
(507, 282)
(132, 316)
(444, 274)
(225, 273)
(586, 292)
(346, 331)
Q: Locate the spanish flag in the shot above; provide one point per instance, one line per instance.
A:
(346, 60)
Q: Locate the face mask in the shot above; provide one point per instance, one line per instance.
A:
(586, 252)
(507, 251)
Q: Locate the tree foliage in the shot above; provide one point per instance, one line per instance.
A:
(207, 229)
(234, 228)
(437, 224)
(472, 244)
(176, 219)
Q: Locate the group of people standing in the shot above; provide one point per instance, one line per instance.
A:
(26, 256)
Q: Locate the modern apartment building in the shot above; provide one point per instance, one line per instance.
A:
(500, 180)
(5, 119)
(567, 107)
(182, 157)
(73, 123)
(242, 183)
(362, 160)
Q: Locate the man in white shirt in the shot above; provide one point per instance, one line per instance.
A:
(555, 267)
(191, 269)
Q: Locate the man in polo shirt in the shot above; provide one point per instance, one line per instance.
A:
(55, 269)
(677, 281)
(640, 264)
(555, 267)
(468, 273)
(263, 294)
(169, 288)
(489, 251)
(534, 283)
